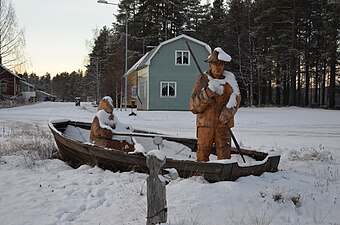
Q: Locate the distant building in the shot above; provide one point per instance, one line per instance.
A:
(14, 87)
(44, 96)
(163, 78)
(27, 91)
(9, 82)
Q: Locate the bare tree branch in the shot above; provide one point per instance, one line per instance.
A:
(12, 38)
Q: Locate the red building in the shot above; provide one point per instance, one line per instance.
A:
(14, 87)
(9, 82)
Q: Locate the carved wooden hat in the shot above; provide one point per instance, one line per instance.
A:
(218, 55)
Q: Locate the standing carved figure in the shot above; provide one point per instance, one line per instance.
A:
(104, 125)
(215, 99)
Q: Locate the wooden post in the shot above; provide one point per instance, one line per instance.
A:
(156, 192)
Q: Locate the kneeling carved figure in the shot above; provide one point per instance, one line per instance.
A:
(104, 125)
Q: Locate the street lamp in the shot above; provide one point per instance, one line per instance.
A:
(126, 45)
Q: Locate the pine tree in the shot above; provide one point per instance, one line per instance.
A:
(213, 29)
(333, 15)
(283, 50)
(100, 69)
(240, 43)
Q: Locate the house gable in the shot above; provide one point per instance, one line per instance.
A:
(183, 37)
(170, 82)
(165, 75)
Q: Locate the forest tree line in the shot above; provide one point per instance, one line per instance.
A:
(285, 52)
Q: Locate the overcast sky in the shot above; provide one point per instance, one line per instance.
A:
(56, 31)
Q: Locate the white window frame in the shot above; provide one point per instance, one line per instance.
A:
(182, 53)
(168, 84)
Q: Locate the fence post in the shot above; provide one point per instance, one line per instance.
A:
(156, 191)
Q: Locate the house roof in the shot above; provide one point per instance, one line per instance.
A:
(146, 59)
(136, 65)
(10, 72)
(28, 84)
(154, 51)
(44, 93)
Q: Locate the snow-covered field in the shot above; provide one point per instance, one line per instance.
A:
(306, 190)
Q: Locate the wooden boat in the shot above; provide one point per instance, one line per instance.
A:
(78, 150)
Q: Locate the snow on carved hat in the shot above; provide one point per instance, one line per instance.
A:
(218, 55)
(106, 104)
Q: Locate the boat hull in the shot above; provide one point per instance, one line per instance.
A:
(77, 153)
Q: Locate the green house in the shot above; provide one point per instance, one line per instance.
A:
(163, 78)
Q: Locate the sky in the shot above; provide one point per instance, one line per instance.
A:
(305, 190)
(56, 31)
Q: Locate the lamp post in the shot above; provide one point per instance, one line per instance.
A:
(126, 45)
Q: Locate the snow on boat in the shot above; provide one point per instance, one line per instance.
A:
(72, 139)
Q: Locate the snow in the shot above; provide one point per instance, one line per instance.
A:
(108, 99)
(215, 85)
(158, 154)
(110, 122)
(231, 80)
(305, 190)
(77, 133)
(105, 119)
(222, 55)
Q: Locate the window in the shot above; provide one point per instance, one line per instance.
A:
(182, 57)
(134, 92)
(3, 87)
(168, 89)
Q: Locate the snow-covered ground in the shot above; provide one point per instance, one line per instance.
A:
(306, 190)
